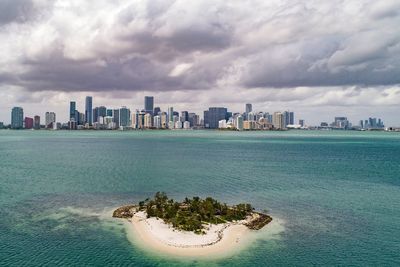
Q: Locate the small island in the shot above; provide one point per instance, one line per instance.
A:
(194, 225)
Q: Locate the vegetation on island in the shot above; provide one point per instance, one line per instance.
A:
(193, 214)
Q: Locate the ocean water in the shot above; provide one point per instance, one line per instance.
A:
(337, 194)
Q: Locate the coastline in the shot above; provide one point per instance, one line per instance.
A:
(155, 236)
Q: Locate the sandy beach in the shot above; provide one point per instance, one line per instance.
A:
(153, 234)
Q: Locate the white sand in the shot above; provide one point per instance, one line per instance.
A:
(159, 237)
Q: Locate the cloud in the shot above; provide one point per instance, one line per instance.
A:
(136, 45)
(315, 52)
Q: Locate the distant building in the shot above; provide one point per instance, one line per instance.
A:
(239, 122)
(249, 125)
(1, 125)
(324, 124)
(99, 113)
(148, 121)
(288, 118)
(89, 110)
(116, 117)
(178, 124)
(17, 118)
(28, 123)
(124, 117)
(193, 119)
(186, 125)
(50, 120)
(249, 108)
(109, 113)
(213, 115)
(301, 123)
(278, 120)
(164, 120)
(149, 104)
(157, 110)
(170, 114)
(222, 124)
(184, 116)
(72, 109)
(341, 123)
(157, 122)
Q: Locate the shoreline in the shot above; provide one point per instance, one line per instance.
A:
(153, 235)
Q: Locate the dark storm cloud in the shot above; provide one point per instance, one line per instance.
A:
(15, 11)
(170, 45)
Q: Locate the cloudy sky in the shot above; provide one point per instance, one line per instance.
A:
(319, 58)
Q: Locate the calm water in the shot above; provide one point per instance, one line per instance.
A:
(337, 192)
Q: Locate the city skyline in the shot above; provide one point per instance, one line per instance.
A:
(153, 117)
(320, 59)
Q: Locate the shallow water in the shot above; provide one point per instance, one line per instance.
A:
(337, 192)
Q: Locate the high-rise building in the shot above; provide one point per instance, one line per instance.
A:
(157, 122)
(184, 116)
(81, 118)
(239, 123)
(28, 123)
(99, 113)
(288, 118)
(116, 117)
(164, 120)
(278, 120)
(301, 123)
(213, 116)
(72, 108)
(36, 122)
(17, 118)
(249, 108)
(1, 125)
(170, 114)
(157, 110)
(194, 119)
(186, 125)
(148, 121)
(50, 120)
(124, 117)
(109, 113)
(88, 110)
(341, 123)
(149, 104)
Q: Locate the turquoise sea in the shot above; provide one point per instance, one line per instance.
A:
(338, 193)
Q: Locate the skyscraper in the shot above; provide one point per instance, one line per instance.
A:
(149, 104)
(213, 116)
(88, 110)
(72, 108)
(170, 114)
(239, 123)
(28, 123)
(124, 117)
(36, 122)
(288, 118)
(17, 118)
(156, 111)
(249, 108)
(50, 119)
(278, 120)
(116, 117)
(184, 116)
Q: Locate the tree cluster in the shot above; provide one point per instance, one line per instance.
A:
(192, 214)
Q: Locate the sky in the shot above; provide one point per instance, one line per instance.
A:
(318, 58)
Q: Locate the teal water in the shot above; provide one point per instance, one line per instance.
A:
(338, 193)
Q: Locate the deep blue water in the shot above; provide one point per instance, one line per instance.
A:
(338, 193)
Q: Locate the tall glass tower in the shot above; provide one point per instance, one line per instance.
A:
(89, 110)
(149, 104)
(72, 108)
(17, 118)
